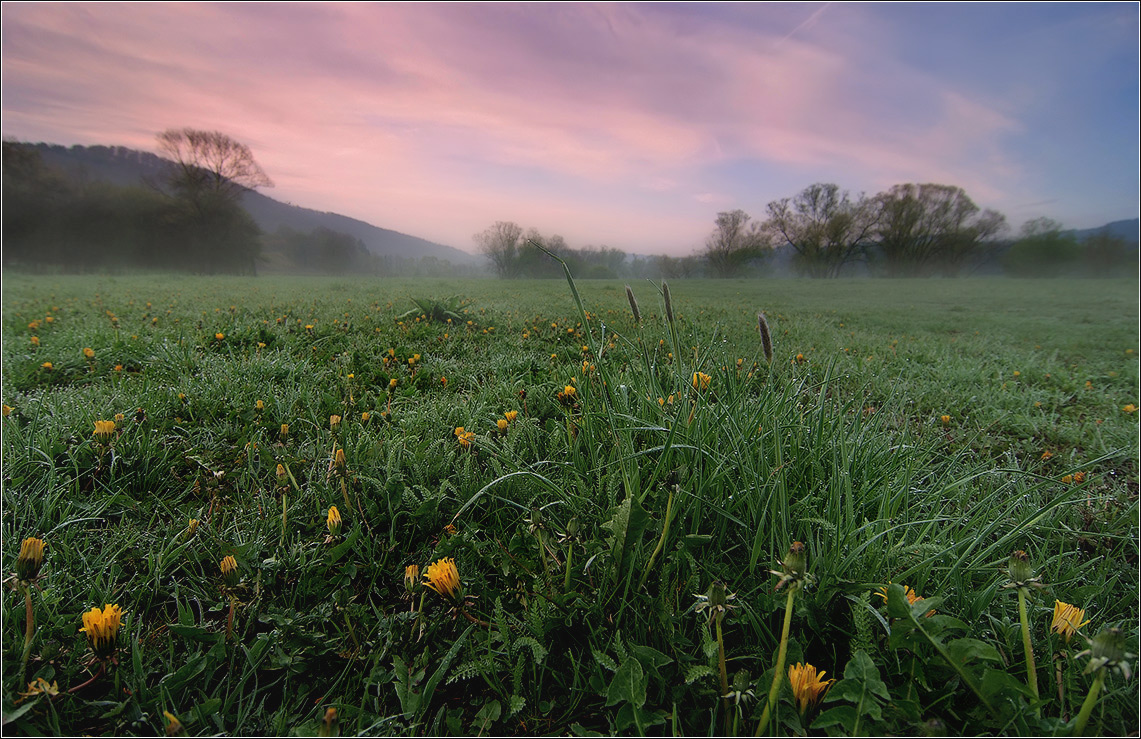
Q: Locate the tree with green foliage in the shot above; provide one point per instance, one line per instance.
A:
(927, 228)
(1107, 255)
(825, 227)
(734, 243)
(1044, 250)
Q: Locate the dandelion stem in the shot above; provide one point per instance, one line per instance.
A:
(230, 618)
(661, 542)
(723, 671)
(778, 676)
(1088, 704)
(1031, 668)
(284, 504)
(474, 620)
(29, 630)
(566, 576)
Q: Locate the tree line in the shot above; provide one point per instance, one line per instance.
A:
(187, 218)
(910, 230)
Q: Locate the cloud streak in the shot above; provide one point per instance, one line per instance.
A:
(618, 124)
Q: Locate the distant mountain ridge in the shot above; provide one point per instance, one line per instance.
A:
(1130, 230)
(122, 166)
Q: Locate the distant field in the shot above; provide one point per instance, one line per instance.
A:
(911, 431)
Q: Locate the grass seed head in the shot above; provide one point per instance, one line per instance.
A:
(633, 305)
(766, 337)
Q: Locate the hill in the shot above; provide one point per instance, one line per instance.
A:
(122, 166)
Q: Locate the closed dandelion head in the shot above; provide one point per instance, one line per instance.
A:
(741, 691)
(511, 416)
(1067, 620)
(333, 521)
(173, 725)
(339, 461)
(716, 602)
(807, 685)
(701, 381)
(191, 528)
(30, 560)
(229, 568)
(412, 582)
(794, 566)
(1107, 651)
(102, 629)
(444, 578)
(502, 424)
(392, 384)
(1020, 571)
(284, 431)
(88, 353)
(334, 422)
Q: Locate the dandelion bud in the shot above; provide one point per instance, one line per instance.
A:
(364, 417)
(260, 406)
(339, 461)
(173, 725)
(102, 629)
(392, 384)
(229, 567)
(1019, 568)
(334, 422)
(30, 560)
(501, 424)
(412, 579)
(1107, 649)
(281, 474)
(284, 431)
(191, 528)
(511, 416)
(796, 561)
(330, 725)
(333, 522)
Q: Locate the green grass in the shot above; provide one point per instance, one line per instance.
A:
(582, 613)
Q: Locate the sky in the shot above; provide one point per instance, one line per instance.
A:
(624, 125)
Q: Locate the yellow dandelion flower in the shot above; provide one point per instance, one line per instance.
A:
(47, 366)
(35, 341)
(1130, 408)
(260, 405)
(808, 686)
(364, 417)
(511, 416)
(502, 424)
(945, 419)
(219, 336)
(333, 521)
(284, 431)
(1067, 619)
(104, 430)
(444, 578)
(701, 381)
(7, 410)
(102, 628)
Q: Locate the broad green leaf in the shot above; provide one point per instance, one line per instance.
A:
(628, 685)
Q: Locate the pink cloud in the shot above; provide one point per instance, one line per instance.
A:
(601, 121)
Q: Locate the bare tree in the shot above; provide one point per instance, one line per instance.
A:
(500, 244)
(210, 162)
(208, 174)
(928, 227)
(824, 227)
(733, 243)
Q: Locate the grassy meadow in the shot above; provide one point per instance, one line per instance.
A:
(557, 520)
